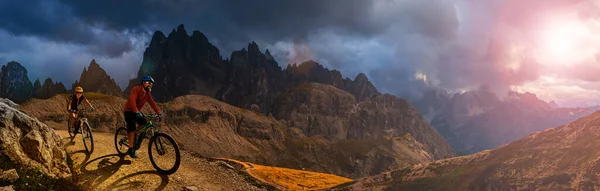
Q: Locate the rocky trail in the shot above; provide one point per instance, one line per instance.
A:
(104, 169)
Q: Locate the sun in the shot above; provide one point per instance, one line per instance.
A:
(560, 41)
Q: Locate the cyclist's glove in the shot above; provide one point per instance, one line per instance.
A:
(160, 115)
(139, 115)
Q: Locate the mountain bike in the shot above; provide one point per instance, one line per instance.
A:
(84, 129)
(162, 148)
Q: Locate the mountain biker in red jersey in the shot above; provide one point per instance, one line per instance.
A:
(137, 98)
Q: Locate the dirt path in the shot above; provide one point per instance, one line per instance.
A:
(104, 169)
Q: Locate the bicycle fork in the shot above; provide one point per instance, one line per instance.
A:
(159, 146)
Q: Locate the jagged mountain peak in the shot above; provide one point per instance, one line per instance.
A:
(95, 79)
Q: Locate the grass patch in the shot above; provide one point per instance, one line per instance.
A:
(33, 178)
(285, 178)
(293, 179)
(96, 96)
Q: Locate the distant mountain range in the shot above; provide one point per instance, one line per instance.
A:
(479, 120)
(560, 158)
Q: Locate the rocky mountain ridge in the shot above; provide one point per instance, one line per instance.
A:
(560, 158)
(478, 120)
(211, 128)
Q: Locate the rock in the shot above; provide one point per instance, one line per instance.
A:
(28, 142)
(255, 108)
(9, 103)
(9, 176)
(7, 188)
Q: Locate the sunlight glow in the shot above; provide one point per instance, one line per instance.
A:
(563, 41)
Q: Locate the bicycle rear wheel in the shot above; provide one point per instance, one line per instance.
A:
(121, 142)
(164, 153)
(88, 139)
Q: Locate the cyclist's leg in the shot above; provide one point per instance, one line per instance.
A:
(140, 122)
(76, 123)
(72, 118)
(130, 120)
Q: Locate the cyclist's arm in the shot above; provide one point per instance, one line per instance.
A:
(69, 104)
(88, 102)
(153, 105)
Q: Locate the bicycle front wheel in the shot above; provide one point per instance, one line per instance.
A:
(70, 127)
(88, 139)
(164, 153)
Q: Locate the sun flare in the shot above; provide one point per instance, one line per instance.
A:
(560, 42)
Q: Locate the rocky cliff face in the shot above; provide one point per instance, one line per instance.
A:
(317, 110)
(254, 78)
(182, 65)
(48, 90)
(310, 71)
(561, 158)
(14, 83)
(320, 110)
(95, 79)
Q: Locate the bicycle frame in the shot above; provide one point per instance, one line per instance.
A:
(80, 118)
(145, 128)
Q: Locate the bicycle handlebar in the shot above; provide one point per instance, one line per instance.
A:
(154, 117)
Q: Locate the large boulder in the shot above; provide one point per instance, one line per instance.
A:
(25, 142)
(9, 102)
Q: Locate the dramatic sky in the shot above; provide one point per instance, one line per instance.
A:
(548, 47)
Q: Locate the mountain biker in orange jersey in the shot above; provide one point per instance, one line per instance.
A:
(76, 99)
(137, 98)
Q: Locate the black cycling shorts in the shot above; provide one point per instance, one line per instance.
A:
(131, 121)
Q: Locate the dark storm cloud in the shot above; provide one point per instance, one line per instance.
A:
(54, 21)
(232, 23)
